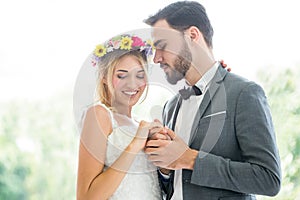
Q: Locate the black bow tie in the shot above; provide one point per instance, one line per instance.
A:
(187, 92)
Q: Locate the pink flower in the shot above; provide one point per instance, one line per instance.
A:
(137, 42)
(115, 44)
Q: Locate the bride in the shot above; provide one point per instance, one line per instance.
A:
(112, 164)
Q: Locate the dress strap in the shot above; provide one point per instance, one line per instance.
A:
(113, 121)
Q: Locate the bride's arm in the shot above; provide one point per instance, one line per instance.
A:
(92, 182)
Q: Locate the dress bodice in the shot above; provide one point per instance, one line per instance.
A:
(141, 180)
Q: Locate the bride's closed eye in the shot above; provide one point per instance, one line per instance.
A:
(141, 75)
(121, 76)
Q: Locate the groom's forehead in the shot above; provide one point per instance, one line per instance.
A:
(165, 35)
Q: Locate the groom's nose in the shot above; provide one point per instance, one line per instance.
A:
(158, 56)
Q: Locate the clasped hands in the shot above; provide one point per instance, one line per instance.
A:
(167, 150)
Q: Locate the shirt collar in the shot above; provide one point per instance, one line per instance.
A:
(207, 77)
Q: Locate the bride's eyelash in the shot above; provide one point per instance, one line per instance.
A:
(141, 76)
(121, 76)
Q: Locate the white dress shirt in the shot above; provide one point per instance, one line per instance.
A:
(185, 119)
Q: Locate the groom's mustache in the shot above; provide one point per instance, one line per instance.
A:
(164, 65)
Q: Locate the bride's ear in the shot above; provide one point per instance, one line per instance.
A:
(104, 80)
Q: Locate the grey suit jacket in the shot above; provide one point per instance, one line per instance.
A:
(234, 134)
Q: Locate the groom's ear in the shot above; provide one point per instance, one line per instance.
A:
(194, 33)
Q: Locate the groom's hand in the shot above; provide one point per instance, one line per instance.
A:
(170, 154)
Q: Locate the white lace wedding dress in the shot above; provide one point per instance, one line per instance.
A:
(141, 180)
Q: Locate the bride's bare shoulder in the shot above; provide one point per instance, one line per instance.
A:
(99, 116)
(98, 110)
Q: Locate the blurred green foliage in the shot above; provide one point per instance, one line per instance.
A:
(39, 141)
(38, 149)
(283, 91)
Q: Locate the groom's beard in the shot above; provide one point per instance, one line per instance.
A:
(181, 65)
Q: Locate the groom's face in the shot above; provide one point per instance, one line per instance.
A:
(172, 52)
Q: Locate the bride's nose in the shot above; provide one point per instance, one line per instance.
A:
(133, 83)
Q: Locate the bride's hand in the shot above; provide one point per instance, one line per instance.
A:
(142, 133)
(158, 132)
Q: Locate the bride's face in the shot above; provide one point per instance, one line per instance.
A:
(129, 81)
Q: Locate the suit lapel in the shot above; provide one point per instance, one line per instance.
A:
(214, 85)
(175, 113)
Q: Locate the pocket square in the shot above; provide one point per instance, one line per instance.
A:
(214, 114)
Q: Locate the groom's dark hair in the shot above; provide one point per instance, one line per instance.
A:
(184, 14)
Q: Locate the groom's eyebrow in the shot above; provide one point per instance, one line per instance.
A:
(157, 42)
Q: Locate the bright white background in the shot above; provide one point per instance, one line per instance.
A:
(43, 43)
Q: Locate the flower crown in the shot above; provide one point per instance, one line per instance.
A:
(122, 42)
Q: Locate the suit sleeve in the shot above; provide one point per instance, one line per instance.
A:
(259, 171)
(166, 185)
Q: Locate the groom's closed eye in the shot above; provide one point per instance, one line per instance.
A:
(160, 44)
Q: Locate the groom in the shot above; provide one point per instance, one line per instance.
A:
(222, 142)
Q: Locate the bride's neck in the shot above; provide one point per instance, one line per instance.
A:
(123, 110)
